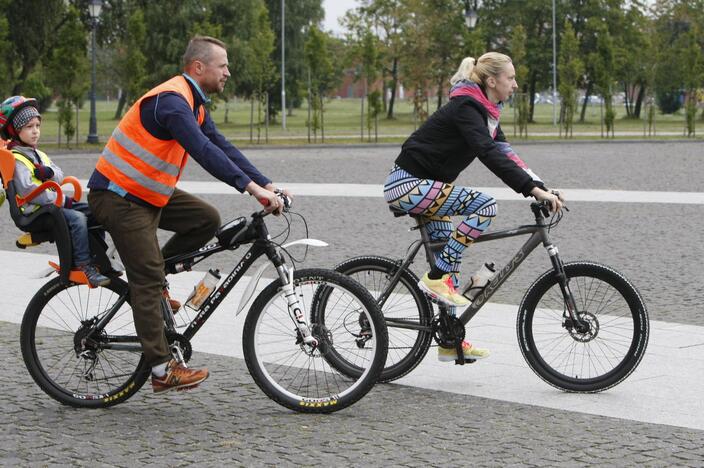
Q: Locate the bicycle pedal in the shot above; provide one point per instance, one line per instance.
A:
(466, 361)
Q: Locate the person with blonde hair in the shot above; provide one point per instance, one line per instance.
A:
(422, 179)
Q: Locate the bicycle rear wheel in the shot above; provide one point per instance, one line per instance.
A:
(405, 304)
(299, 376)
(71, 362)
(590, 360)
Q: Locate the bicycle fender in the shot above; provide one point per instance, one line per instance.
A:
(251, 287)
(311, 242)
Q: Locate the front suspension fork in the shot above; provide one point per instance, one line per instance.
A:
(294, 306)
(570, 305)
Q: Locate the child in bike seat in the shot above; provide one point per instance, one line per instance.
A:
(21, 124)
(422, 179)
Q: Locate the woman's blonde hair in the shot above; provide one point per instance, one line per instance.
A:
(489, 64)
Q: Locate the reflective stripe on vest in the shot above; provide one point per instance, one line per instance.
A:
(140, 163)
(27, 161)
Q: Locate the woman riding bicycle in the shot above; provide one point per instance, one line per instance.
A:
(421, 181)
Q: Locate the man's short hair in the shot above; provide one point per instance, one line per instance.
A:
(200, 48)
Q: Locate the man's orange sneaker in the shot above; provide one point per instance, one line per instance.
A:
(178, 377)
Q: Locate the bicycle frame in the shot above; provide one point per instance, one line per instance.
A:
(538, 235)
(255, 231)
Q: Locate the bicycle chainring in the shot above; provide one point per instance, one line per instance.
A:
(183, 343)
(447, 330)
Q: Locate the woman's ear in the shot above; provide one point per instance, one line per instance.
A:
(491, 82)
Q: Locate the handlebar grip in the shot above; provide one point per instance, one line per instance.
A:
(263, 201)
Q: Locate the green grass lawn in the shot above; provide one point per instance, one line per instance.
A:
(342, 124)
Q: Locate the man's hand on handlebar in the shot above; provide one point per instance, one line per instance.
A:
(273, 199)
(554, 198)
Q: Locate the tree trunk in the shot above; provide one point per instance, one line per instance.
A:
(587, 93)
(394, 84)
(440, 93)
(383, 88)
(251, 120)
(322, 120)
(531, 97)
(639, 101)
(626, 100)
(122, 100)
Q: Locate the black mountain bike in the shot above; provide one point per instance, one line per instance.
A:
(80, 346)
(582, 326)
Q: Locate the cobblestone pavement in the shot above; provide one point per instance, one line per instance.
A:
(229, 421)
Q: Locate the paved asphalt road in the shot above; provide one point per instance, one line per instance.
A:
(656, 245)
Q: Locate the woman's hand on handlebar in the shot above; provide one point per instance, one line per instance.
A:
(554, 198)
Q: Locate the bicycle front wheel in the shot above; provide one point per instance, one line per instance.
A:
(70, 360)
(583, 360)
(405, 307)
(304, 377)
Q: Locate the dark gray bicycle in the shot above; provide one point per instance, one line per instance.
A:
(582, 326)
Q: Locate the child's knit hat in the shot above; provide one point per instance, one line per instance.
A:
(24, 116)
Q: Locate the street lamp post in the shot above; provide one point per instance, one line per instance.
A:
(470, 14)
(283, 66)
(554, 67)
(94, 8)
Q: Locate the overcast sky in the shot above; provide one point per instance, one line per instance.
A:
(335, 9)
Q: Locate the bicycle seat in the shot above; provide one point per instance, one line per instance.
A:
(398, 212)
(47, 223)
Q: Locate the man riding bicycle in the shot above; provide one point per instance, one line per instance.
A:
(133, 192)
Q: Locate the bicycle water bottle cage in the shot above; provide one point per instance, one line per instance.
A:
(227, 233)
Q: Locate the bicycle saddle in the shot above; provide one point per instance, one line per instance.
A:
(398, 212)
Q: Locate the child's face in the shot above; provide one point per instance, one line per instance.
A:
(29, 134)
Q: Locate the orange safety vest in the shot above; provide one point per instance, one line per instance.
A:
(140, 163)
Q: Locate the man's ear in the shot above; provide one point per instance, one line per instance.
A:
(198, 67)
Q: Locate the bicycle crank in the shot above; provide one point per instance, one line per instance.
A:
(180, 346)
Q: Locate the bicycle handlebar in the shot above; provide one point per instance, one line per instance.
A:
(280, 193)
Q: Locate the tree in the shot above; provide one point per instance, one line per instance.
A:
(262, 68)
(520, 100)
(385, 19)
(67, 70)
(679, 61)
(499, 17)
(135, 62)
(5, 50)
(33, 36)
(571, 68)
(322, 75)
(602, 60)
(634, 57)
(300, 15)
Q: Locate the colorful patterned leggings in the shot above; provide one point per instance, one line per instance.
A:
(436, 202)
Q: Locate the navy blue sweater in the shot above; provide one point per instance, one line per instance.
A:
(168, 116)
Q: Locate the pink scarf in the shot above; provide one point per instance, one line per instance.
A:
(472, 89)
